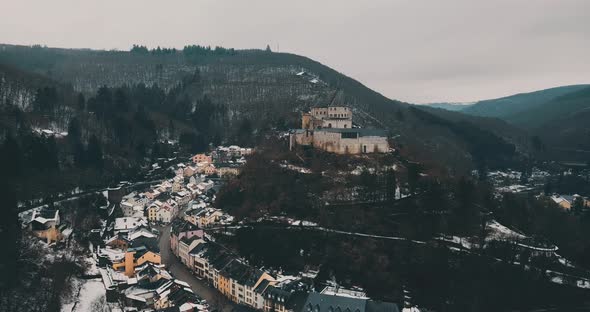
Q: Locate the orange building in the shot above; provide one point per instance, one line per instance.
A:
(202, 158)
(135, 257)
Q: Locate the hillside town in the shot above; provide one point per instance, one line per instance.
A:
(178, 213)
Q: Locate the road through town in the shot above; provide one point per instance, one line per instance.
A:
(215, 299)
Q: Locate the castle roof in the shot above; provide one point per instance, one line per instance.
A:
(362, 132)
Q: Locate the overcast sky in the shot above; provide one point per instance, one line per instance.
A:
(416, 50)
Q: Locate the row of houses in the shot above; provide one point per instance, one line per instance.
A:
(253, 287)
(129, 257)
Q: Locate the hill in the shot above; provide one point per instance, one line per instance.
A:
(510, 106)
(261, 90)
(559, 108)
(455, 107)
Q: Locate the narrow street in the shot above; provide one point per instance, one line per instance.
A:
(215, 299)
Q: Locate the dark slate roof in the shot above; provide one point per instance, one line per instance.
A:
(317, 302)
(198, 248)
(361, 131)
(180, 225)
(181, 296)
(380, 306)
(262, 286)
(150, 243)
(38, 226)
(296, 301)
(329, 303)
(47, 213)
(235, 270)
(277, 294)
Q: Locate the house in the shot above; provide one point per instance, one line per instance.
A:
(286, 293)
(569, 201)
(142, 231)
(209, 170)
(182, 197)
(128, 224)
(174, 293)
(185, 245)
(197, 262)
(204, 217)
(189, 171)
(131, 209)
(45, 224)
(227, 170)
(202, 158)
(151, 273)
(135, 257)
(163, 212)
(181, 229)
(118, 242)
(166, 213)
(204, 187)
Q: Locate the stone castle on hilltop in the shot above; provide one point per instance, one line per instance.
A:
(330, 129)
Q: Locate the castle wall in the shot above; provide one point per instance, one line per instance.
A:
(337, 123)
(334, 143)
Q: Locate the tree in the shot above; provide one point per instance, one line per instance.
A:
(413, 176)
(578, 205)
(11, 233)
(45, 99)
(139, 49)
(81, 101)
(121, 100)
(390, 184)
(466, 211)
(171, 129)
(94, 153)
(10, 158)
(74, 130)
(268, 48)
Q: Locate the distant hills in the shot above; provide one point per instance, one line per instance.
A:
(509, 107)
(559, 118)
(455, 107)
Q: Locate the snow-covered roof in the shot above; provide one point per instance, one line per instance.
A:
(129, 223)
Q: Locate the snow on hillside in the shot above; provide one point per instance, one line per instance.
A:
(91, 296)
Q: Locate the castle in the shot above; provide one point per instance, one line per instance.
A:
(330, 129)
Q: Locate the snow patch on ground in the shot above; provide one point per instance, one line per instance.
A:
(90, 291)
(499, 231)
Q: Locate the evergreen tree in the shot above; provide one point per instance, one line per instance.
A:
(390, 184)
(10, 231)
(74, 130)
(81, 101)
(94, 153)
